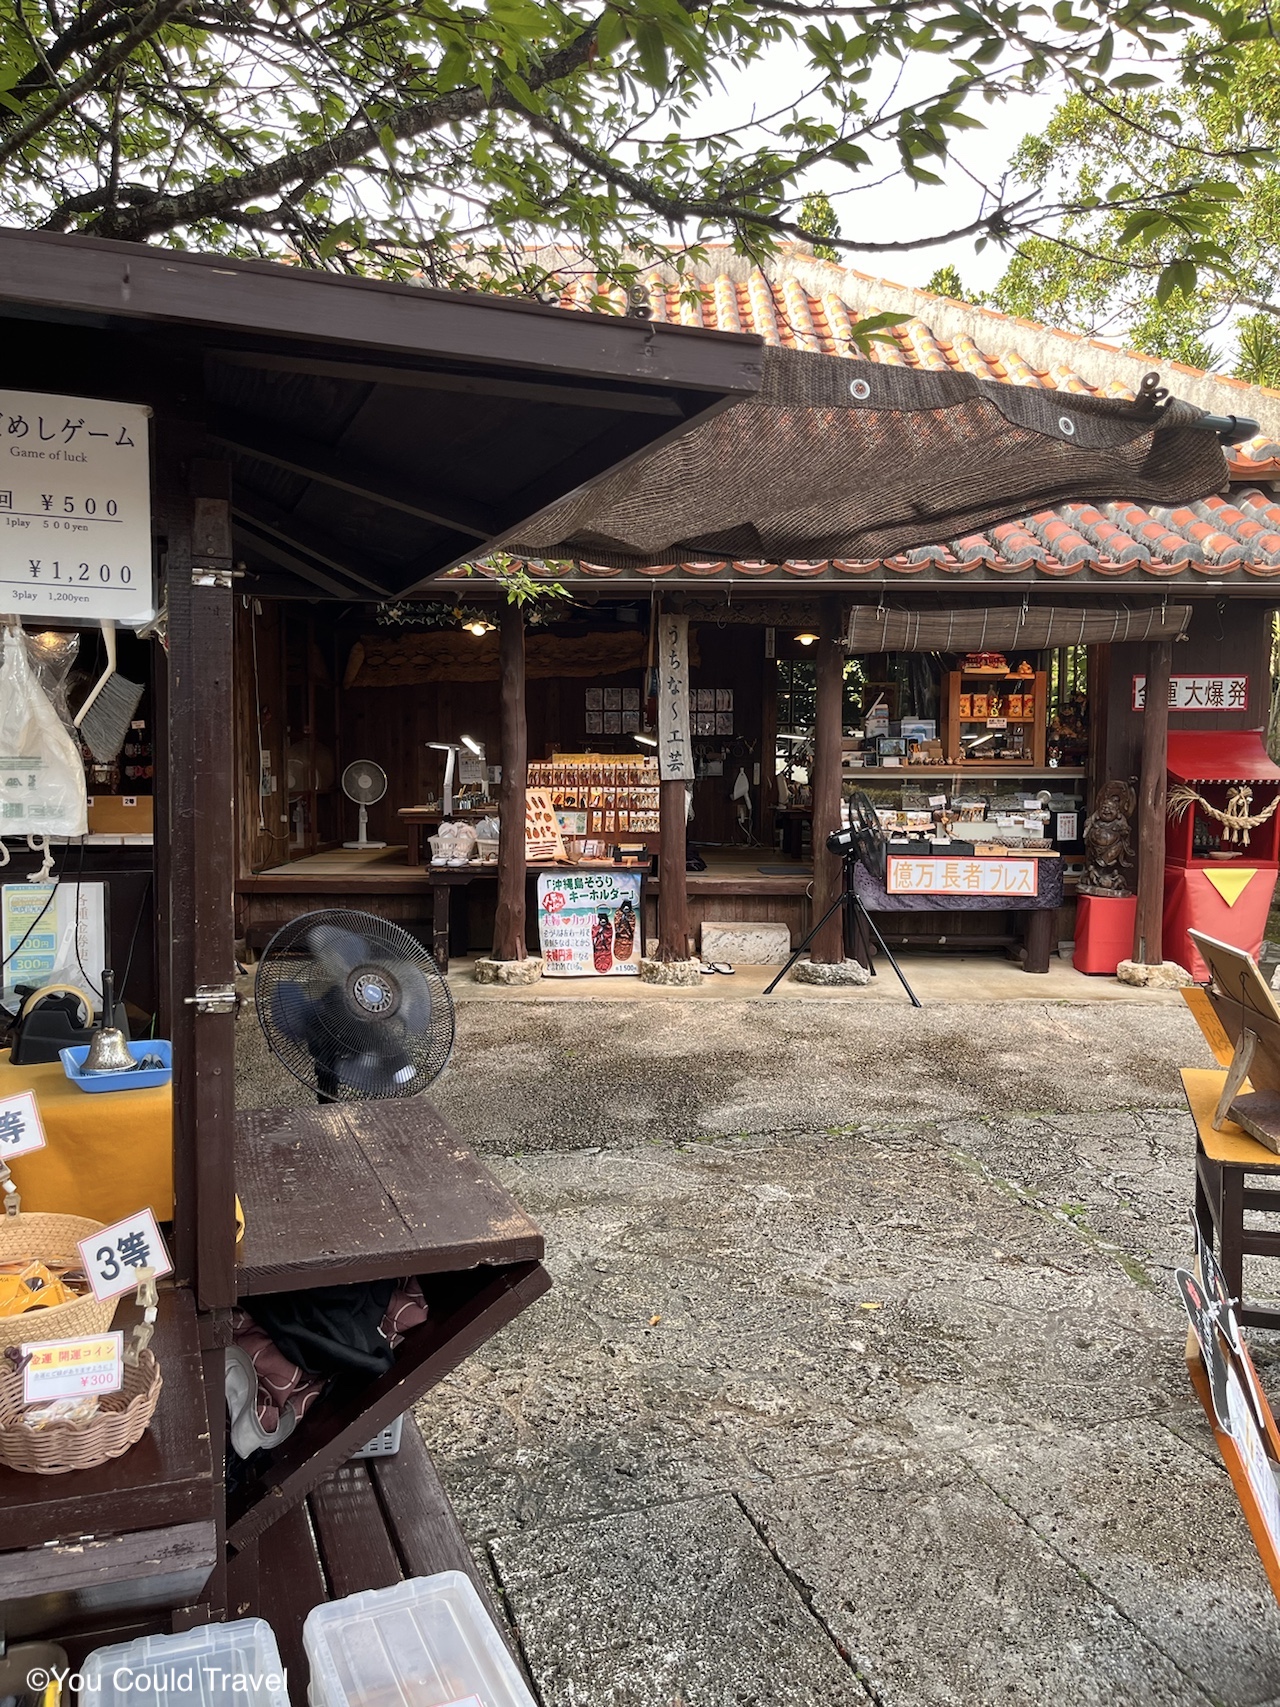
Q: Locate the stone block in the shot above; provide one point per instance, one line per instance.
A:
(1167, 976)
(842, 972)
(741, 942)
(675, 972)
(508, 971)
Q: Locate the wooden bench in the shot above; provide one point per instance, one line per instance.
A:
(369, 1525)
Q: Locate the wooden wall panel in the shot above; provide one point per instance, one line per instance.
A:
(1226, 637)
(262, 826)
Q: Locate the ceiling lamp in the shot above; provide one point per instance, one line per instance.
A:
(806, 637)
(479, 627)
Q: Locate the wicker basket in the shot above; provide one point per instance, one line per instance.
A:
(51, 1237)
(121, 1422)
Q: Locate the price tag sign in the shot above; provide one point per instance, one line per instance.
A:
(21, 1130)
(68, 1369)
(937, 800)
(113, 1257)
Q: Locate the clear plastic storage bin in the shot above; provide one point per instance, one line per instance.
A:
(427, 1642)
(216, 1665)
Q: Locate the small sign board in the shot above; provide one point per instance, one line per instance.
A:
(75, 509)
(113, 1257)
(589, 923)
(1199, 693)
(21, 1129)
(542, 838)
(931, 876)
(70, 1369)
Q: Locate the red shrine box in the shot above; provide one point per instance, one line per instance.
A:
(1104, 932)
(1224, 887)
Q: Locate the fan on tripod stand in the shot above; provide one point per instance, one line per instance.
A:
(354, 1007)
(365, 783)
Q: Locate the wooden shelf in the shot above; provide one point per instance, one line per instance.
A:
(1012, 768)
(368, 1525)
(367, 1191)
(167, 1478)
(1035, 688)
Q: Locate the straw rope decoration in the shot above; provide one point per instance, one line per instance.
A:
(1236, 819)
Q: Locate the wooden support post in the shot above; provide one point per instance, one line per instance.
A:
(673, 888)
(201, 875)
(509, 921)
(828, 870)
(1148, 933)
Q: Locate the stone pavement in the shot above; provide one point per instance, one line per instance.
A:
(861, 1380)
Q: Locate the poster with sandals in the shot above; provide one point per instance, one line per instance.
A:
(589, 923)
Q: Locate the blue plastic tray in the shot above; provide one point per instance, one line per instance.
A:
(73, 1059)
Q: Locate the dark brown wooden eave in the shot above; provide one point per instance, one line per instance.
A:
(135, 281)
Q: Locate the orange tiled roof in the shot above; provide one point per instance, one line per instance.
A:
(808, 304)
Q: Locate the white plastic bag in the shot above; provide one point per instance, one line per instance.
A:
(42, 791)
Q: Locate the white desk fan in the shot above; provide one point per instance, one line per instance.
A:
(365, 783)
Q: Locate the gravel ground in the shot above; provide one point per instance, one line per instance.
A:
(861, 1378)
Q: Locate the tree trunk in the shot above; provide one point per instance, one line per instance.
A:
(509, 920)
(1148, 930)
(673, 894)
(828, 873)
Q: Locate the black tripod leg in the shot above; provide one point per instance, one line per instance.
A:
(887, 952)
(839, 901)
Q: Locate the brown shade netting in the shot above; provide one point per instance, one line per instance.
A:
(875, 629)
(851, 459)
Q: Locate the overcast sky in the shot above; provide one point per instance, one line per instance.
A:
(899, 211)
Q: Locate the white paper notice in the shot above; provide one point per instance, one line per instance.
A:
(75, 508)
(70, 1369)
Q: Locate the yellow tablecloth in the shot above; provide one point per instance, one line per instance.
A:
(107, 1155)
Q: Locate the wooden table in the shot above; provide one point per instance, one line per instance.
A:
(1039, 912)
(365, 1191)
(108, 1154)
(419, 821)
(1221, 1196)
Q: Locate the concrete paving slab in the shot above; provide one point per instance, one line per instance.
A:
(943, 1597)
(814, 1301)
(1156, 1527)
(675, 1606)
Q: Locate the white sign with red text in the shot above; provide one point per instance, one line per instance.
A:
(935, 876)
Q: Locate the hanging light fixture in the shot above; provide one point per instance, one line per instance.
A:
(479, 627)
(806, 637)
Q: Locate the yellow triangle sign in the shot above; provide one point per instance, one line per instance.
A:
(1231, 881)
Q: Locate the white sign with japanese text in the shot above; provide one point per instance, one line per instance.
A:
(113, 1257)
(675, 747)
(69, 1369)
(75, 509)
(21, 1129)
(1199, 693)
(934, 876)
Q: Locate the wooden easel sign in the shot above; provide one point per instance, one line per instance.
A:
(1227, 1385)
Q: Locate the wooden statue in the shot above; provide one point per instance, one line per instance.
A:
(1108, 842)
